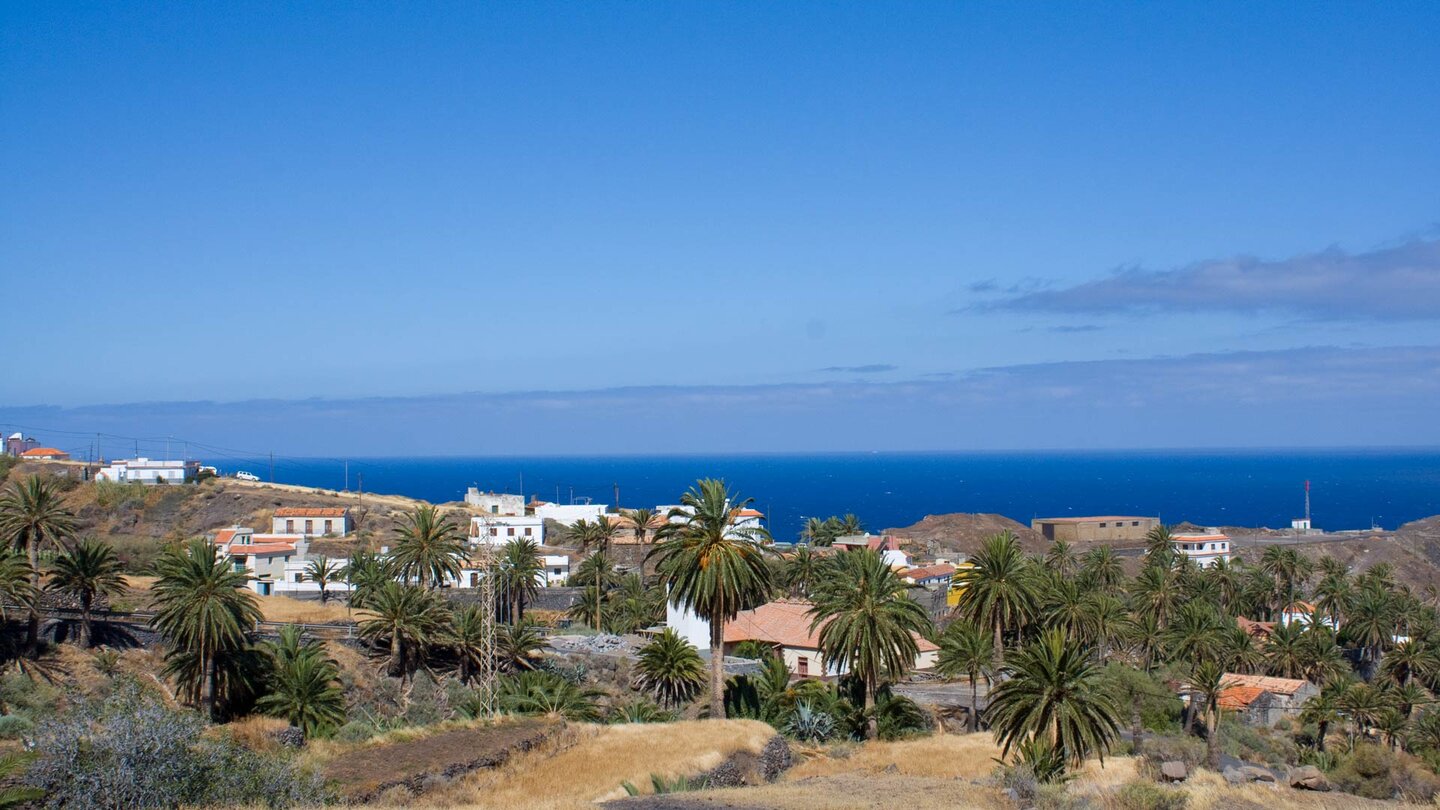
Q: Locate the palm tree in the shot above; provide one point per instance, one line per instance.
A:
(428, 547)
(1322, 710)
(88, 570)
(1371, 623)
(323, 572)
(31, 518)
(1363, 704)
(1061, 558)
(713, 567)
(1052, 692)
(364, 574)
(547, 694)
(1067, 606)
(468, 630)
(850, 524)
(305, 688)
(204, 612)
(598, 536)
(521, 570)
(633, 606)
(999, 589)
(1198, 633)
(1332, 596)
(802, 568)
(645, 522)
(1207, 682)
(1145, 638)
(1239, 653)
(518, 645)
(1286, 653)
(407, 618)
(1409, 659)
(965, 650)
(671, 669)
(12, 768)
(1159, 547)
(1156, 590)
(1106, 617)
(15, 581)
(868, 623)
(1101, 569)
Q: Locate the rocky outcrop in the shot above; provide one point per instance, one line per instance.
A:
(962, 533)
(1174, 771)
(744, 768)
(1308, 777)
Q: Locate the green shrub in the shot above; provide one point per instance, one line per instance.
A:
(1366, 772)
(13, 726)
(1163, 748)
(1145, 796)
(1257, 744)
(113, 494)
(355, 731)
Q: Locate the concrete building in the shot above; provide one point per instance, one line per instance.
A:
(1099, 529)
(557, 569)
(1262, 700)
(309, 521)
(1205, 548)
(17, 443)
(568, 514)
(149, 471)
(495, 503)
(497, 530)
(264, 557)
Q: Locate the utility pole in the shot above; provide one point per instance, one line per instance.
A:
(347, 475)
(272, 466)
(522, 490)
(617, 496)
(485, 683)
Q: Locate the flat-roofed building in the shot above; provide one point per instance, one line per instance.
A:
(311, 521)
(1205, 548)
(1098, 529)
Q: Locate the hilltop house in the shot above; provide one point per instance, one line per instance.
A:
(497, 530)
(495, 503)
(1261, 700)
(45, 454)
(1205, 548)
(1098, 529)
(264, 557)
(149, 471)
(938, 575)
(305, 521)
(567, 514)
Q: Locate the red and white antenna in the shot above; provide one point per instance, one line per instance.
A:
(1307, 502)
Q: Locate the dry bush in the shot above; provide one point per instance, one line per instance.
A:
(257, 732)
(300, 611)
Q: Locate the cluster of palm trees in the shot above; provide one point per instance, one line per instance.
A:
(1042, 627)
(825, 531)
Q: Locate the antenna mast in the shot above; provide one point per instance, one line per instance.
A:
(1307, 502)
(485, 678)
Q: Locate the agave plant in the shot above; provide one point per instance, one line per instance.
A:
(808, 725)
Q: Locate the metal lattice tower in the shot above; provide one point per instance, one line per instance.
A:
(485, 681)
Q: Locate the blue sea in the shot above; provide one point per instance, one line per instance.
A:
(1350, 489)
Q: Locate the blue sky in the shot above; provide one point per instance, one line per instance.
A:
(723, 204)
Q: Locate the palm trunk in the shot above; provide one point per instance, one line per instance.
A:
(520, 607)
(208, 701)
(717, 668)
(85, 620)
(32, 631)
(1137, 732)
(598, 596)
(872, 724)
(397, 656)
(1190, 715)
(1320, 740)
(999, 647)
(1212, 743)
(974, 702)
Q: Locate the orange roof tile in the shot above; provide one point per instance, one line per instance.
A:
(36, 452)
(308, 511)
(261, 549)
(1279, 686)
(941, 570)
(1235, 698)
(785, 622)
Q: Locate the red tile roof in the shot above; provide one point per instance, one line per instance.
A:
(750, 513)
(225, 535)
(261, 549)
(929, 571)
(785, 622)
(306, 511)
(1257, 629)
(1279, 686)
(1234, 698)
(37, 452)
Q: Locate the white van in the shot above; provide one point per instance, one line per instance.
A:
(245, 476)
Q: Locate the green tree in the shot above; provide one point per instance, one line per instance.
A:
(965, 650)
(31, 518)
(428, 547)
(670, 668)
(365, 573)
(518, 645)
(323, 572)
(643, 522)
(1052, 692)
(521, 571)
(1101, 570)
(1322, 710)
(468, 630)
(305, 687)
(712, 565)
(867, 621)
(1207, 682)
(88, 570)
(1062, 559)
(596, 538)
(407, 619)
(801, 570)
(999, 589)
(205, 614)
(12, 768)
(547, 694)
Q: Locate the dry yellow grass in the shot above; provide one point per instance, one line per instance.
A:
(869, 791)
(285, 609)
(591, 762)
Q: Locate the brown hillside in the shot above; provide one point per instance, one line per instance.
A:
(963, 532)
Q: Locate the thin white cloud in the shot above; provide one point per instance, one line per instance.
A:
(1398, 282)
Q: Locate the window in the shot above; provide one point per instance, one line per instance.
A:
(494, 532)
(309, 526)
(557, 572)
(494, 508)
(510, 532)
(329, 527)
(1102, 525)
(527, 531)
(299, 577)
(1134, 523)
(474, 579)
(802, 666)
(289, 527)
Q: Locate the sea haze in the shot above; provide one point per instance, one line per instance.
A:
(1350, 488)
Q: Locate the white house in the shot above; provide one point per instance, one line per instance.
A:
(746, 518)
(266, 558)
(497, 530)
(495, 503)
(1205, 548)
(1304, 614)
(557, 569)
(149, 471)
(305, 521)
(784, 625)
(568, 514)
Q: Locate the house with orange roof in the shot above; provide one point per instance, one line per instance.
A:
(785, 625)
(1254, 629)
(1260, 699)
(45, 454)
(311, 521)
(1305, 614)
(1205, 548)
